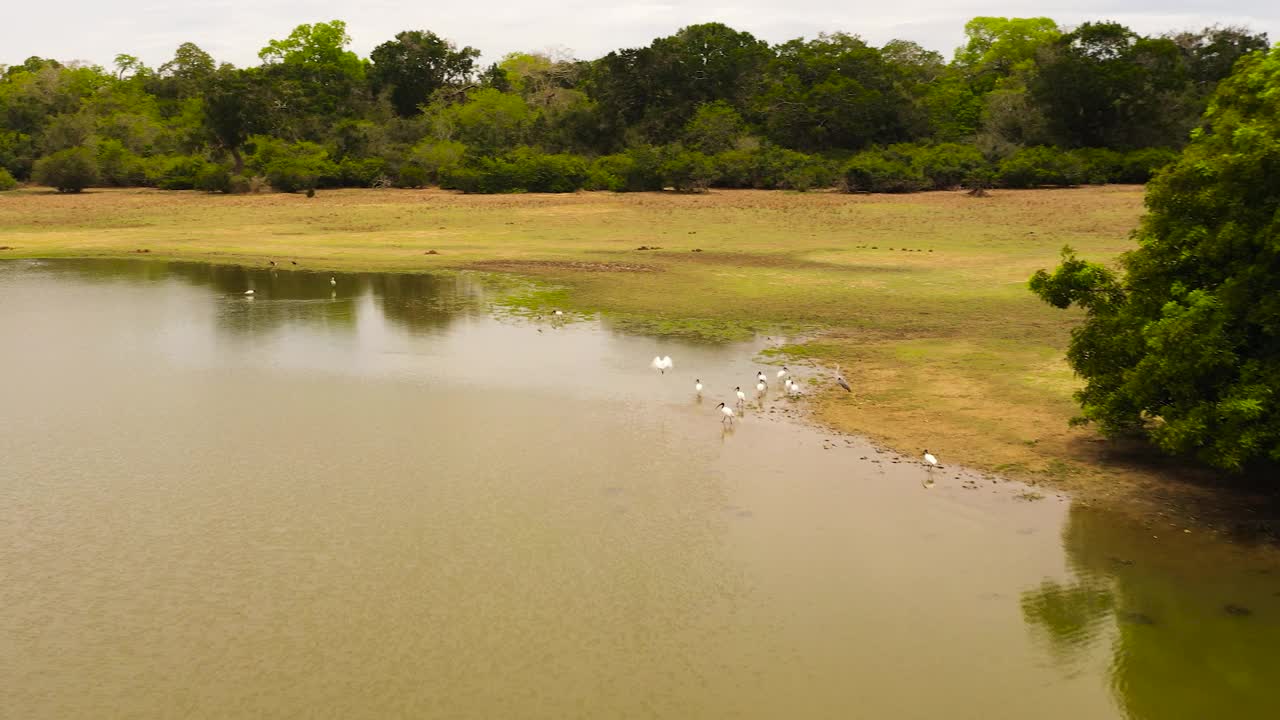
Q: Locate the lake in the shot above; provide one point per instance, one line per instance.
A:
(398, 496)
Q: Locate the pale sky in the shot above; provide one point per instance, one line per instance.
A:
(234, 30)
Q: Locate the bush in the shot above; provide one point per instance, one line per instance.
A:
(240, 184)
(639, 169)
(950, 165)
(175, 172)
(1036, 166)
(736, 168)
(522, 170)
(436, 157)
(70, 170)
(604, 174)
(880, 172)
(120, 167)
(688, 171)
(1140, 166)
(213, 178)
(770, 167)
(361, 172)
(6, 180)
(411, 175)
(1100, 165)
(291, 167)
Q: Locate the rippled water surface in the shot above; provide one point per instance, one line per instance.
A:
(386, 498)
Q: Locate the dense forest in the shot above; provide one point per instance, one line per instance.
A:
(1023, 103)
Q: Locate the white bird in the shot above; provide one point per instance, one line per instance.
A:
(742, 397)
(697, 387)
(558, 312)
(793, 390)
(726, 411)
(248, 292)
(762, 386)
(661, 364)
(782, 372)
(333, 280)
(760, 376)
(930, 463)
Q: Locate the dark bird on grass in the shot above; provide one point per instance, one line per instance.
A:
(841, 381)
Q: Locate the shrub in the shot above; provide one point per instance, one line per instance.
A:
(1099, 165)
(361, 172)
(950, 165)
(1036, 166)
(638, 169)
(411, 175)
(70, 170)
(607, 173)
(773, 167)
(436, 157)
(240, 184)
(290, 167)
(6, 180)
(1140, 166)
(120, 167)
(213, 178)
(736, 168)
(880, 172)
(688, 171)
(175, 172)
(522, 170)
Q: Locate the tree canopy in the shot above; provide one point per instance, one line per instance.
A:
(1183, 345)
(1036, 103)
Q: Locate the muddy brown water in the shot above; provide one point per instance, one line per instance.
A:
(389, 498)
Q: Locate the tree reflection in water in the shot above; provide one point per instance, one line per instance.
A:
(1194, 625)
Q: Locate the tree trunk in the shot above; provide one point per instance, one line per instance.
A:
(239, 161)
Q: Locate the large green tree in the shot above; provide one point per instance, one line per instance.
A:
(313, 79)
(1184, 346)
(415, 65)
(657, 89)
(836, 91)
(998, 47)
(1104, 85)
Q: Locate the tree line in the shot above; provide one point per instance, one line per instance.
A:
(1024, 102)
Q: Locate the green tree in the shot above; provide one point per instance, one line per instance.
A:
(835, 92)
(235, 106)
(1184, 348)
(714, 128)
(997, 47)
(69, 171)
(654, 91)
(186, 74)
(415, 65)
(490, 122)
(313, 79)
(1103, 85)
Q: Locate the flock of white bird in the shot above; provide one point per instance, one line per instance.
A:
(663, 363)
(728, 414)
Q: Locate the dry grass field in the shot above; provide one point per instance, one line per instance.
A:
(921, 298)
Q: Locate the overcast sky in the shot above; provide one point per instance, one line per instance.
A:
(234, 30)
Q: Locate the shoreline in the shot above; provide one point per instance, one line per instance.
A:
(949, 351)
